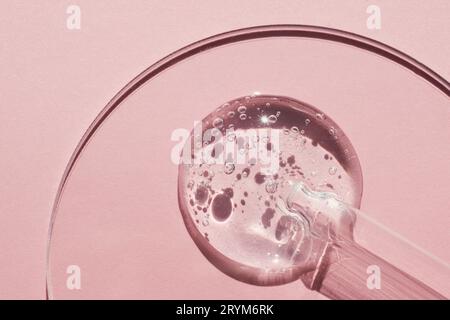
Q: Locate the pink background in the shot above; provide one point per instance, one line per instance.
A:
(55, 81)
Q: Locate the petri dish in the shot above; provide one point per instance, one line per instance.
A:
(116, 219)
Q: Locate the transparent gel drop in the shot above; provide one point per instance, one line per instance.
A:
(238, 181)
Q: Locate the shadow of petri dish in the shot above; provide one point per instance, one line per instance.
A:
(116, 216)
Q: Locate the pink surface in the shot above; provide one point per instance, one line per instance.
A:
(55, 81)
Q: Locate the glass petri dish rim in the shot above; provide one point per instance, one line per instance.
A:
(239, 35)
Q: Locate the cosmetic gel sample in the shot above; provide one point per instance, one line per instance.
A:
(238, 166)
